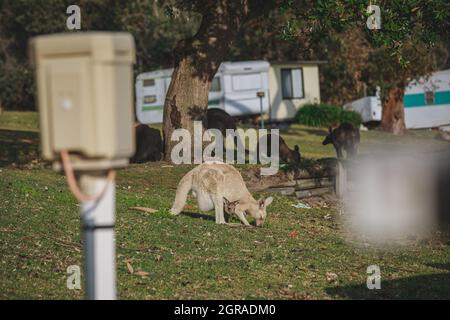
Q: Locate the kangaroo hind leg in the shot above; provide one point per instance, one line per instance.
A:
(218, 204)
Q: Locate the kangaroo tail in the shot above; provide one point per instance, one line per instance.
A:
(183, 189)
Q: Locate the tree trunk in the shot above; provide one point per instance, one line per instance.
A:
(393, 118)
(196, 62)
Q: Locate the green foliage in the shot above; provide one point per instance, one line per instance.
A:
(352, 117)
(318, 115)
(17, 86)
(401, 20)
(324, 115)
(156, 30)
(412, 42)
(280, 31)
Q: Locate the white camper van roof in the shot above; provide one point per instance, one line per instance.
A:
(244, 66)
(155, 74)
(227, 67)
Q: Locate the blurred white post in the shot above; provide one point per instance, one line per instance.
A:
(341, 180)
(98, 218)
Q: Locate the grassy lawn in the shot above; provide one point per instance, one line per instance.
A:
(20, 120)
(189, 256)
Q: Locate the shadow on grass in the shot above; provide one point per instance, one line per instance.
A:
(443, 266)
(19, 147)
(197, 215)
(434, 286)
(309, 131)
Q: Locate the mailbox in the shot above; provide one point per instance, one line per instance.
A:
(85, 97)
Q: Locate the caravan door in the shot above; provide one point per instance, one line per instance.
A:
(240, 93)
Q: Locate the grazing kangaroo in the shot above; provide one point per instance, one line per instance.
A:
(149, 144)
(219, 119)
(285, 153)
(211, 183)
(344, 137)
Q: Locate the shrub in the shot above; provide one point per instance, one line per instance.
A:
(351, 117)
(17, 86)
(324, 115)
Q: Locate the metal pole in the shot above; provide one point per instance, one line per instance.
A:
(261, 108)
(98, 218)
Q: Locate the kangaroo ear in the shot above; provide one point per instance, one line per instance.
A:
(261, 202)
(330, 129)
(226, 201)
(296, 148)
(268, 201)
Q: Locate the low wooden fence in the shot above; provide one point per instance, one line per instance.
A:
(316, 178)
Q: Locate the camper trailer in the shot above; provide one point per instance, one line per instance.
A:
(234, 89)
(368, 107)
(427, 101)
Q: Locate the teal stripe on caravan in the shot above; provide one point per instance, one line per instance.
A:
(160, 107)
(418, 99)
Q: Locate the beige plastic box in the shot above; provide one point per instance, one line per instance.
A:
(85, 96)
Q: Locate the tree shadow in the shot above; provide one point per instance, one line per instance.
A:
(18, 147)
(434, 286)
(443, 266)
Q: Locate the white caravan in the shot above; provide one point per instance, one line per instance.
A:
(233, 89)
(286, 86)
(368, 107)
(427, 101)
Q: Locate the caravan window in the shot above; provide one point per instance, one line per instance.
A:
(429, 97)
(215, 85)
(243, 82)
(292, 83)
(149, 99)
(148, 82)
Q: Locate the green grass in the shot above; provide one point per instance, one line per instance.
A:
(19, 120)
(191, 257)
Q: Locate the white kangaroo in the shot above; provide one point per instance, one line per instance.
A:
(211, 183)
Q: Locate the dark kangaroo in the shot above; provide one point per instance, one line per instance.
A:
(285, 153)
(343, 137)
(219, 119)
(149, 146)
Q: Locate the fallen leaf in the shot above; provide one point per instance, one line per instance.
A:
(143, 209)
(293, 234)
(142, 274)
(130, 267)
